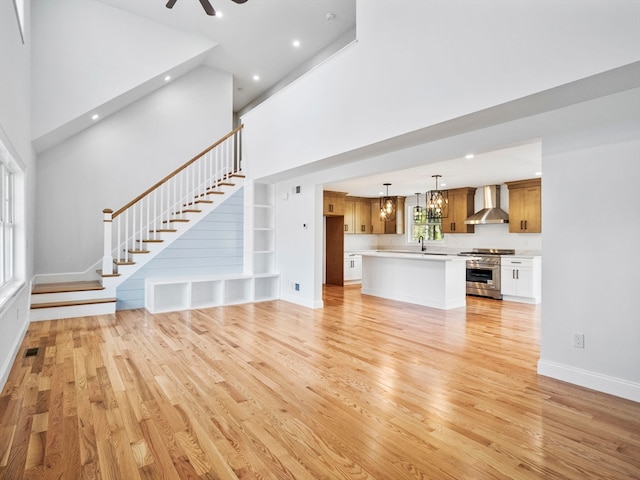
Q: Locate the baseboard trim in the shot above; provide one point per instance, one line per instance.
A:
(303, 301)
(11, 358)
(592, 380)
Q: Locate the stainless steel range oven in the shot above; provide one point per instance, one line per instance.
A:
(483, 271)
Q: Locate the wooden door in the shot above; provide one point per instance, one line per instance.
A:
(334, 250)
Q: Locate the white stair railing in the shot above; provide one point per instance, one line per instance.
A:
(156, 210)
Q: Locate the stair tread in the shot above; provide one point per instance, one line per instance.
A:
(114, 274)
(62, 287)
(73, 303)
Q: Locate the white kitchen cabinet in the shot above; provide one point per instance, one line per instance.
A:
(520, 279)
(352, 268)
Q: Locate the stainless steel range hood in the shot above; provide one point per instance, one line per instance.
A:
(491, 213)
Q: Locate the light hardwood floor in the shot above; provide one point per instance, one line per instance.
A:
(365, 388)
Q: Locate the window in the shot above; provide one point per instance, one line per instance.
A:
(419, 224)
(7, 225)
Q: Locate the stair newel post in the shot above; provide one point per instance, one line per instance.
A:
(107, 259)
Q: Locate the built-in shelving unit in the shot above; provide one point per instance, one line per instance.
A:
(263, 229)
(259, 282)
(172, 294)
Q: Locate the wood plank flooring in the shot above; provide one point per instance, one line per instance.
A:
(365, 388)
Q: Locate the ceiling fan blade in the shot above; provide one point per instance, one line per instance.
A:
(207, 7)
(171, 3)
(239, 1)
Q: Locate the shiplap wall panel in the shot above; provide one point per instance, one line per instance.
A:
(212, 247)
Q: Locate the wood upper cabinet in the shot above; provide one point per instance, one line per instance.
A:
(362, 216)
(397, 225)
(349, 215)
(461, 207)
(377, 224)
(357, 215)
(333, 203)
(525, 206)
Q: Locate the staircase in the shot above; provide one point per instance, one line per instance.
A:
(140, 230)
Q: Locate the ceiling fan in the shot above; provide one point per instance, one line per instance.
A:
(205, 4)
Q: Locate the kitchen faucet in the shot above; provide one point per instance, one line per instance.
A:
(421, 240)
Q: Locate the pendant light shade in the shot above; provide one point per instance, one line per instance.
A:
(437, 202)
(388, 206)
(418, 210)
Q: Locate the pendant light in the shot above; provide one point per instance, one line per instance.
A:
(437, 201)
(418, 210)
(387, 206)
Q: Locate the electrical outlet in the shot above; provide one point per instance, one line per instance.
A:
(578, 340)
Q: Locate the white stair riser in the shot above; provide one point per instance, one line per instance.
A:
(55, 313)
(71, 296)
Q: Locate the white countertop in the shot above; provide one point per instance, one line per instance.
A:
(410, 255)
(437, 253)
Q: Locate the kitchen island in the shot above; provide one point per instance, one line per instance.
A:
(429, 279)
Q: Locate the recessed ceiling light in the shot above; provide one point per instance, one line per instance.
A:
(256, 77)
(167, 78)
(443, 184)
(219, 14)
(469, 156)
(296, 43)
(95, 116)
(538, 173)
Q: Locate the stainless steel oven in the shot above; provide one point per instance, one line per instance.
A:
(483, 272)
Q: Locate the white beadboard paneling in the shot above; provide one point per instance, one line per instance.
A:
(212, 247)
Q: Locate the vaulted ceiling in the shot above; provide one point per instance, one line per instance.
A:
(101, 55)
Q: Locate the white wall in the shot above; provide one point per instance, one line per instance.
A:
(417, 64)
(109, 164)
(591, 278)
(86, 53)
(299, 240)
(15, 129)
